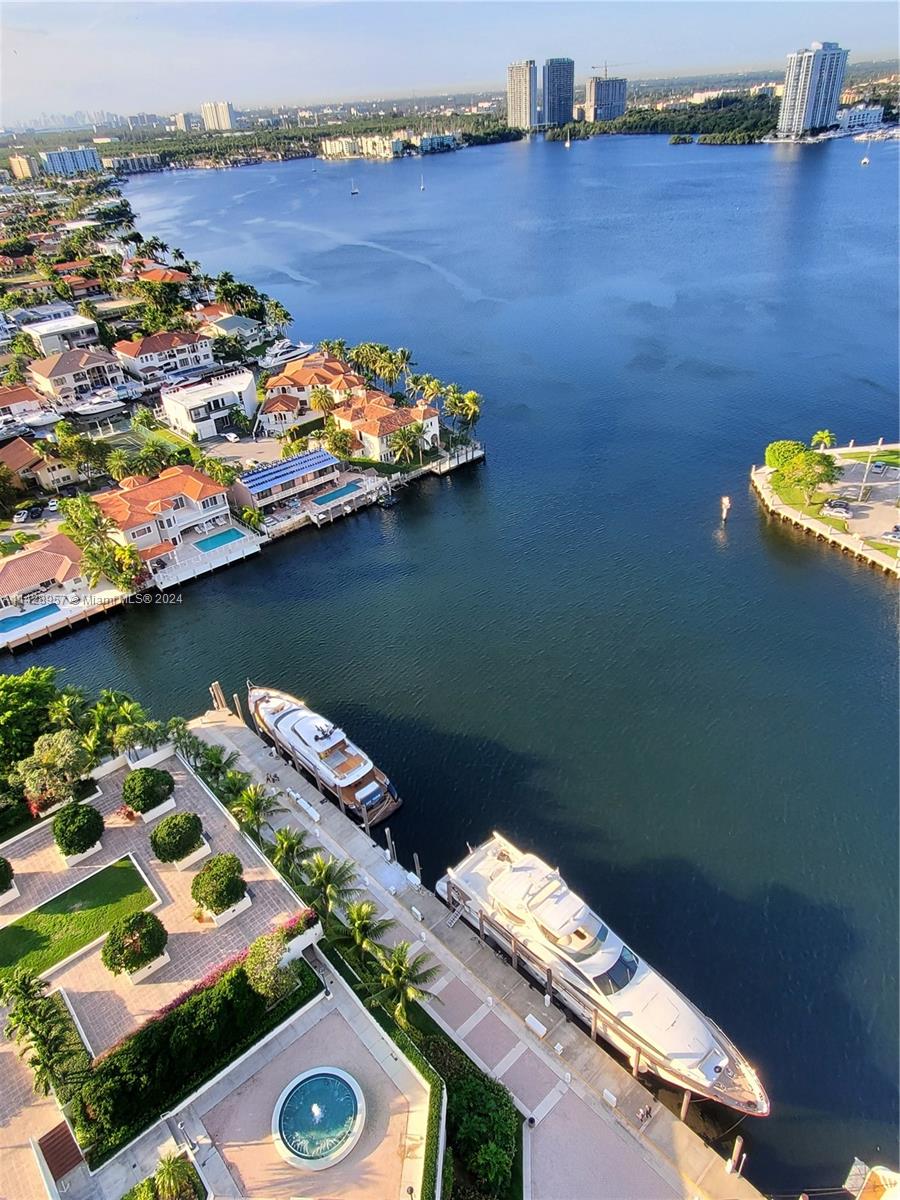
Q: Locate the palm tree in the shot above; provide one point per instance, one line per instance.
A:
(277, 315)
(174, 1178)
(403, 980)
(119, 464)
(255, 807)
(69, 710)
(230, 786)
(216, 763)
(252, 517)
(823, 438)
(46, 1046)
(365, 928)
(406, 441)
(332, 883)
(321, 400)
(290, 850)
(335, 348)
(24, 995)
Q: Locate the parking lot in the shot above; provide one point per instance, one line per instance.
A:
(872, 499)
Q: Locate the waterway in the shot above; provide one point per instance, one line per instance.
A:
(697, 724)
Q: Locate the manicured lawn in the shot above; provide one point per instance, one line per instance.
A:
(891, 457)
(890, 548)
(73, 919)
(795, 498)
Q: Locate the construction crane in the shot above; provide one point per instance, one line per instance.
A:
(607, 65)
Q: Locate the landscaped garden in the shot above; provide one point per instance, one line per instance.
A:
(74, 919)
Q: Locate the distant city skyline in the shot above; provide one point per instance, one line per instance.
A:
(294, 53)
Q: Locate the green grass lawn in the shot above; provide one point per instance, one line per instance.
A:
(891, 457)
(890, 548)
(73, 919)
(795, 498)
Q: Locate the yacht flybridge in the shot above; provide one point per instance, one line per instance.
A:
(527, 908)
(324, 752)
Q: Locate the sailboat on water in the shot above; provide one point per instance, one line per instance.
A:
(421, 183)
(568, 141)
(354, 190)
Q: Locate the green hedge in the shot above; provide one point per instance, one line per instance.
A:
(146, 788)
(76, 828)
(176, 836)
(172, 1055)
(73, 1063)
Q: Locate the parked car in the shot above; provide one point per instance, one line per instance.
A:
(837, 508)
(21, 516)
(53, 505)
(36, 511)
(892, 535)
(232, 437)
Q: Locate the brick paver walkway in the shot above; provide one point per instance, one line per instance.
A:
(108, 1007)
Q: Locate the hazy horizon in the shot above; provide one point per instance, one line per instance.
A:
(166, 57)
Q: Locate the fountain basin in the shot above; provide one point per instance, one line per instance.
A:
(318, 1118)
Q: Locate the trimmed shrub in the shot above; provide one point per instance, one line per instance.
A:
(219, 884)
(6, 874)
(176, 836)
(779, 454)
(76, 828)
(263, 968)
(146, 788)
(133, 942)
(483, 1125)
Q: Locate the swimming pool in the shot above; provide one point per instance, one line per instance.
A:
(26, 618)
(346, 490)
(215, 540)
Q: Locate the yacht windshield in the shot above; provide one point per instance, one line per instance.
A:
(621, 972)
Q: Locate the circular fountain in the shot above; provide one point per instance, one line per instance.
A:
(318, 1118)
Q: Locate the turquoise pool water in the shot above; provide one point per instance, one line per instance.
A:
(26, 618)
(346, 490)
(218, 539)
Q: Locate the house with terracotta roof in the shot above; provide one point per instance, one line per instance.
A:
(75, 373)
(164, 275)
(49, 566)
(210, 312)
(160, 353)
(30, 468)
(77, 267)
(18, 400)
(373, 420)
(288, 392)
(157, 515)
(82, 288)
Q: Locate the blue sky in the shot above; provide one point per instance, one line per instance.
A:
(168, 56)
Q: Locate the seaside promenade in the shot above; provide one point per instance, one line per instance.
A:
(587, 1141)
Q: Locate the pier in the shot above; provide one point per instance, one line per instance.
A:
(584, 1134)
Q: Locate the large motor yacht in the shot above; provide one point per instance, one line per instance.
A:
(528, 909)
(325, 752)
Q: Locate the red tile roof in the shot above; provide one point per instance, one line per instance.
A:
(156, 343)
(77, 264)
(164, 275)
(210, 312)
(55, 558)
(18, 393)
(315, 370)
(280, 404)
(156, 551)
(141, 504)
(70, 361)
(19, 455)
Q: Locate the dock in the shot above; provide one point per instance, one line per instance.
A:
(579, 1100)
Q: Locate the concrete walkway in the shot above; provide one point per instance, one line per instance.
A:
(587, 1143)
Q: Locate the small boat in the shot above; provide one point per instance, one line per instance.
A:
(323, 751)
(387, 501)
(421, 183)
(528, 909)
(568, 142)
(354, 190)
(864, 161)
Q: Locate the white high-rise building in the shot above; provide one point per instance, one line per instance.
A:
(217, 114)
(812, 89)
(521, 94)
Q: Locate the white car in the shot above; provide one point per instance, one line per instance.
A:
(20, 517)
(232, 437)
(53, 505)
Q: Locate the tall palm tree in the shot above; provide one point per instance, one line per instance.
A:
(216, 762)
(823, 438)
(231, 785)
(45, 1049)
(255, 807)
(24, 995)
(406, 441)
(335, 348)
(174, 1178)
(332, 883)
(403, 980)
(321, 400)
(290, 850)
(365, 928)
(69, 710)
(119, 464)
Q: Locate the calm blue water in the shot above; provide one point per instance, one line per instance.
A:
(346, 490)
(697, 725)
(27, 617)
(218, 539)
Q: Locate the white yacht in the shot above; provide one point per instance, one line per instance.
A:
(325, 752)
(99, 406)
(41, 418)
(283, 352)
(527, 907)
